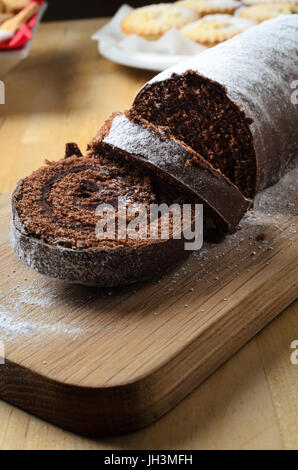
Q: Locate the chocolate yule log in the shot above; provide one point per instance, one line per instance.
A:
(233, 104)
(53, 228)
(165, 154)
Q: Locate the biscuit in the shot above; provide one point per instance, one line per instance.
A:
(265, 12)
(214, 29)
(152, 21)
(207, 7)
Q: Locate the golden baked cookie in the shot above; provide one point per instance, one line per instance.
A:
(214, 29)
(207, 7)
(265, 12)
(152, 21)
(293, 7)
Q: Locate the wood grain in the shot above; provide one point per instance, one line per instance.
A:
(67, 91)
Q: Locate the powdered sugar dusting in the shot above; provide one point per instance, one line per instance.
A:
(226, 62)
(140, 141)
(18, 316)
(42, 297)
(12, 326)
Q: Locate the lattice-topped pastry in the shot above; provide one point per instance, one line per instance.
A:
(152, 21)
(214, 29)
(234, 103)
(265, 12)
(207, 7)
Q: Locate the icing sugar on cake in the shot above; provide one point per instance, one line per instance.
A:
(126, 135)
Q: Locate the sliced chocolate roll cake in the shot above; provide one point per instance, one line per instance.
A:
(55, 216)
(180, 165)
(55, 210)
(232, 104)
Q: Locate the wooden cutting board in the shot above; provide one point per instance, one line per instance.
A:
(102, 362)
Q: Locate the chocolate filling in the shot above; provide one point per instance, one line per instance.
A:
(198, 112)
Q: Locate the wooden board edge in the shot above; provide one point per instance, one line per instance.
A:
(102, 412)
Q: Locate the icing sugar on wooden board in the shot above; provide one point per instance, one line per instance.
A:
(158, 340)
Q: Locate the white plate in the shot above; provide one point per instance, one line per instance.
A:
(135, 51)
(146, 61)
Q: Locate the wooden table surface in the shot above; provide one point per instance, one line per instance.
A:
(64, 92)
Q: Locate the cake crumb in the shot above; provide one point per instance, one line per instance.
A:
(260, 237)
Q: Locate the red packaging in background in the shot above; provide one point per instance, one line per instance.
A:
(24, 34)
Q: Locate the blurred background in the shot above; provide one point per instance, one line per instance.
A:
(74, 9)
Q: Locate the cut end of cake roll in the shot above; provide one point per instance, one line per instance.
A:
(55, 216)
(198, 112)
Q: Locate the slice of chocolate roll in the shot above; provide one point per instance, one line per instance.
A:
(234, 104)
(54, 220)
(180, 165)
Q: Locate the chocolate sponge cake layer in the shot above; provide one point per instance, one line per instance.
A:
(167, 156)
(233, 104)
(54, 220)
